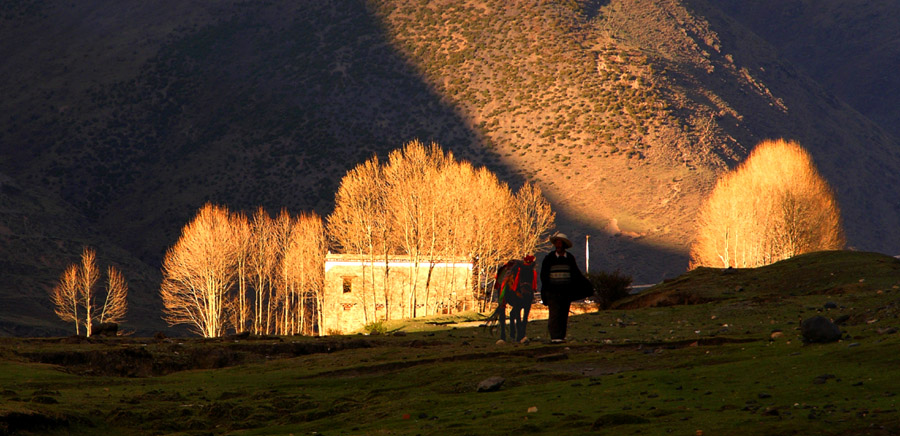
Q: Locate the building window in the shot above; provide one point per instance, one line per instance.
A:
(348, 284)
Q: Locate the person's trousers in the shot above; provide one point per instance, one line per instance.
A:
(558, 320)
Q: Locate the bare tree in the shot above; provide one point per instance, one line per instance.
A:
(199, 271)
(241, 303)
(284, 279)
(304, 261)
(87, 278)
(115, 304)
(65, 297)
(293, 272)
(534, 219)
(263, 261)
(410, 175)
(452, 228)
(360, 220)
(773, 206)
(77, 289)
(425, 205)
(495, 221)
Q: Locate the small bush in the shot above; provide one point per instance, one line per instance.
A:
(609, 287)
(375, 328)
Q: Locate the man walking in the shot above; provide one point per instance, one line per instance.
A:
(559, 272)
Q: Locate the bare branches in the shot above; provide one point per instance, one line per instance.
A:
(534, 219)
(304, 274)
(115, 305)
(262, 269)
(75, 298)
(261, 274)
(65, 297)
(425, 205)
(240, 305)
(87, 278)
(773, 206)
(198, 271)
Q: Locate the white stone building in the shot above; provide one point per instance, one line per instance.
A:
(359, 290)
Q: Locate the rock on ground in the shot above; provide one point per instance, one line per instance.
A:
(819, 329)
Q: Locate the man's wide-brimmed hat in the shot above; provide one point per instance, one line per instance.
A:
(562, 237)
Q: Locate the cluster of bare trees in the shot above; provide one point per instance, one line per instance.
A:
(773, 206)
(77, 299)
(255, 274)
(425, 205)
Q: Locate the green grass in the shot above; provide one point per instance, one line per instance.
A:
(711, 367)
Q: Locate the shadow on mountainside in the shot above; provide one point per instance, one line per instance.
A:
(133, 116)
(850, 55)
(243, 103)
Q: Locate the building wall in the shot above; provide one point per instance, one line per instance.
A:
(356, 292)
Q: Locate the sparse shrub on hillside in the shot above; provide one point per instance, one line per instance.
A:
(580, 93)
(609, 286)
(773, 206)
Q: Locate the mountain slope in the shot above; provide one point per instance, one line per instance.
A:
(130, 116)
(682, 87)
(850, 47)
(40, 236)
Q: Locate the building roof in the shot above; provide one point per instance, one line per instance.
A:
(337, 259)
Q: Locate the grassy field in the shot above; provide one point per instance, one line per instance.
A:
(729, 363)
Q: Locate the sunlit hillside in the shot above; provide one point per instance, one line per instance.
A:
(129, 116)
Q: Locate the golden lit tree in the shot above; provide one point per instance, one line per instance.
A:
(115, 305)
(410, 176)
(263, 262)
(425, 205)
(304, 275)
(299, 242)
(87, 278)
(283, 301)
(773, 206)
(76, 298)
(261, 275)
(533, 220)
(240, 304)
(198, 272)
(489, 219)
(360, 224)
(65, 297)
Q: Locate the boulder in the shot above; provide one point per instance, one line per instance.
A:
(819, 329)
(106, 329)
(491, 384)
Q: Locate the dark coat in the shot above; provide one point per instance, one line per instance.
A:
(558, 276)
